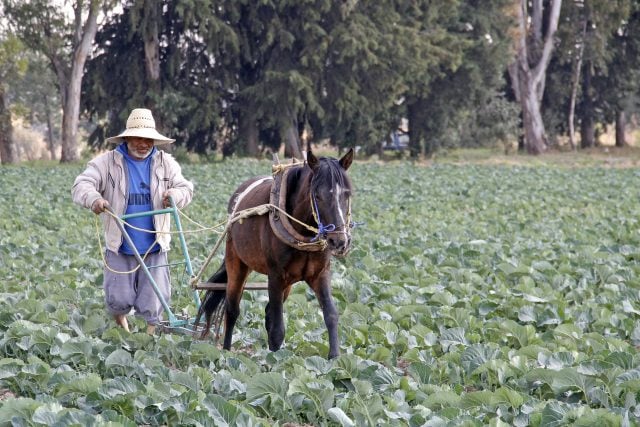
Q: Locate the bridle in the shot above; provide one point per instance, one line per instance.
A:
(325, 230)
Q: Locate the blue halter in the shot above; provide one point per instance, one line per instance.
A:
(322, 229)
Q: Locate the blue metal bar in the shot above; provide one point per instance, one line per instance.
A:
(185, 251)
(173, 210)
(149, 213)
(172, 317)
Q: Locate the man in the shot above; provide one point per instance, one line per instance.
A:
(134, 177)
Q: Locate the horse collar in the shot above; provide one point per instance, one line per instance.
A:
(281, 225)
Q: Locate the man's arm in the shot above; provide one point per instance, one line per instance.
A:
(181, 190)
(86, 190)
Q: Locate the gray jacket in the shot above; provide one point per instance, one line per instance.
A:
(106, 177)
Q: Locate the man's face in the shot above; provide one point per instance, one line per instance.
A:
(139, 148)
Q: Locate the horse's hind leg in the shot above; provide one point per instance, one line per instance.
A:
(237, 273)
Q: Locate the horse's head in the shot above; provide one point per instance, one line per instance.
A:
(331, 200)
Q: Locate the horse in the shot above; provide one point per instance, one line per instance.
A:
(318, 199)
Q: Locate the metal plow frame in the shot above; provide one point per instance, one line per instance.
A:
(174, 323)
(178, 323)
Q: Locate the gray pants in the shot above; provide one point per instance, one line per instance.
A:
(122, 292)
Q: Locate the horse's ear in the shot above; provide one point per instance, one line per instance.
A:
(312, 160)
(347, 159)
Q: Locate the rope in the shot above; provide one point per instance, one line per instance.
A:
(243, 214)
(200, 226)
(102, 252)
(235, 217)
(144, 230)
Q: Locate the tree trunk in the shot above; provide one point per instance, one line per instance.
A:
(292, 139)
(587, 124)
(8, 152)
(71, 105)
(152, 51)
(50, 143)
(529, 81)
(575, 83)
(248, 134)
(621, 124)
(415, 148)
(534, 132)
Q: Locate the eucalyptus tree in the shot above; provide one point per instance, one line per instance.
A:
(595, 73)
(611, 67)
(624, 72)
(65, 37)
(537, 22)
(429, 56)
(603, 18)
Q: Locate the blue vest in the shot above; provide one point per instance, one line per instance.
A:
(139, 200)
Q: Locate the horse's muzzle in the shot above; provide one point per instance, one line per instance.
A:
(339, 243)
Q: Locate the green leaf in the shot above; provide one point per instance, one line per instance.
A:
(222, 412)
(338, 415)
(421, 372)
(451, 337)
(17, 409)
(47, 414)
(264, 386)
(476, 399)
(476, 355)
(83, 385)
(442, 399)
(320, 392)
(120, 358)
(505, 395)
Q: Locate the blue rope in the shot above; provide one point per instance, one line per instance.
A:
(322, 229)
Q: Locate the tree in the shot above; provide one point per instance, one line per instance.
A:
(168, 56)
(537, 24)
(34, 98)
(594, 76)
(66, 41)
(455, 95)
(12, 64)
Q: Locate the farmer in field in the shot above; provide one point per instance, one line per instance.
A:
(134, 177)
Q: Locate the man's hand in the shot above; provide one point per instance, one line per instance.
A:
(99, 206)
(165, 200)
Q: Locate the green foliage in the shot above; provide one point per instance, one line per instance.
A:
(494, 297)
(243, 74)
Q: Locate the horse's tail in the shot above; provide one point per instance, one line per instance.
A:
(212, 300)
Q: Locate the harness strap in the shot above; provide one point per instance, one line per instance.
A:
(281, 225)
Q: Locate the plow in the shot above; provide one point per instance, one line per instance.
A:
(183, 323)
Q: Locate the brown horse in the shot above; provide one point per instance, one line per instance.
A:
(318, 193)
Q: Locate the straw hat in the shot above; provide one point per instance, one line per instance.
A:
(141, 124)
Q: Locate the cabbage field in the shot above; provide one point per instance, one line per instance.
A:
(473, 296)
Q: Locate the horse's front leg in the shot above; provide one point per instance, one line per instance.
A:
(322, 288)
(274, 319)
